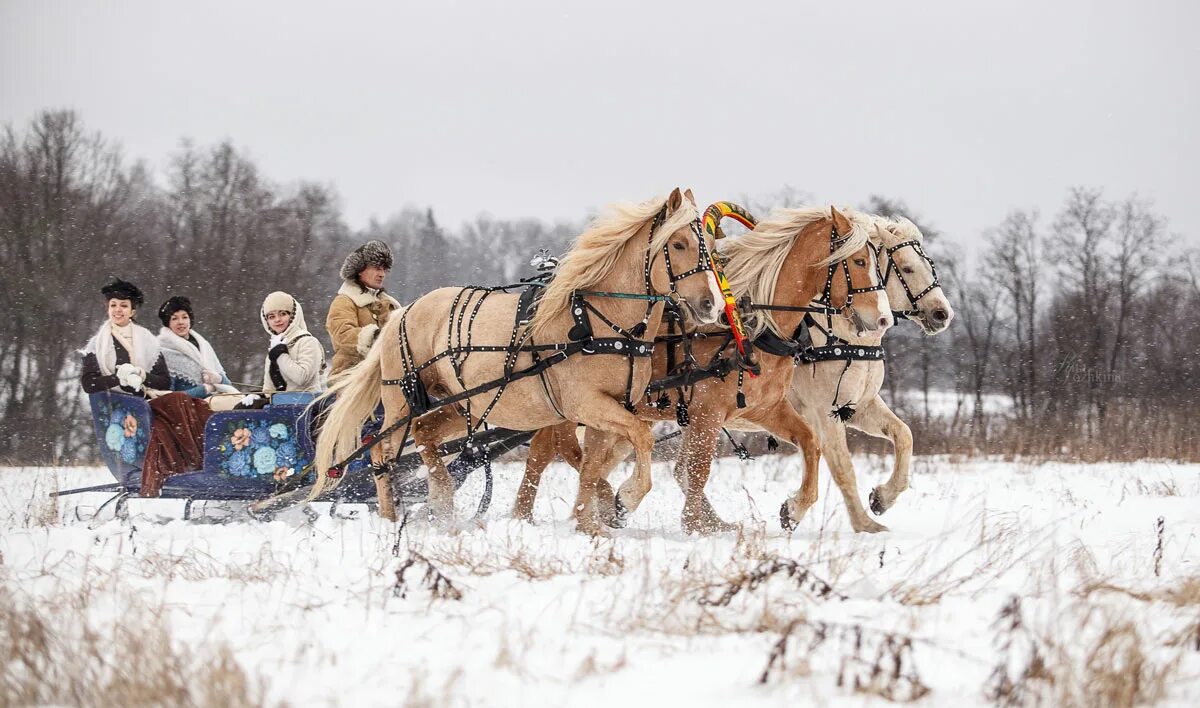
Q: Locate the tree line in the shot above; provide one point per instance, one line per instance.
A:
(1075, 335)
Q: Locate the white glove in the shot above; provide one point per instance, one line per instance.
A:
(210, 377)
(277, 339)
(209, 388)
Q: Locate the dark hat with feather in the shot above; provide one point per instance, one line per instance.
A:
(123, 290)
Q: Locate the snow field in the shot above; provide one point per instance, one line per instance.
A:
(998, 581)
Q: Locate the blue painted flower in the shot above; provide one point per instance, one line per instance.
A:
(239, 463)
(286, 454)
(260, 436)
(264, 460)
(279, 431)
(114, 436)
(129, 451)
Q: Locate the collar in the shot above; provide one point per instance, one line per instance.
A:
(352, 290)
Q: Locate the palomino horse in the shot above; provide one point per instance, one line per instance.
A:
(788, 262)
(451, 341)
(911, 283)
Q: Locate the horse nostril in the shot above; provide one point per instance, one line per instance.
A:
(940, 315)
(885, 321)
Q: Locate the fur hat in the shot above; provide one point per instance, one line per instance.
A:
(371, 253)
(121, 290)
(174, 304)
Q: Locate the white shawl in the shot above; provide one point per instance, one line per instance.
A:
(145, 348)
(187, 362)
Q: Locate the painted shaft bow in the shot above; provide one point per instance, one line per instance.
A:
(712, 226)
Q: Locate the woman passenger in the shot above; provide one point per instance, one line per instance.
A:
(295, 359)
(123, 355)
(195, 369)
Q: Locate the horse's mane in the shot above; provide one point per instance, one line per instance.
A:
(755, 258)
(595, 252)
(899, 226)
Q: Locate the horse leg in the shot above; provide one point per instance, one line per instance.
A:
(875, 418)
(546, 443)
(837, 456)
(692, 469)
(428, 433)
(394, 407)
(590, 508)
(784, 422)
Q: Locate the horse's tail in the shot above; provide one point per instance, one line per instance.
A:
(358, 392)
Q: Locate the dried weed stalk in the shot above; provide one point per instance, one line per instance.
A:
(438, 584)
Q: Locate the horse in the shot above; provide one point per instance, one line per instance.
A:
(471, 345)
(787, 262)
(911, 281)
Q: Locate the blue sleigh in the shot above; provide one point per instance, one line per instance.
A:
(252, 455)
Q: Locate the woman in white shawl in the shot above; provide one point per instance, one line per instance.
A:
(194, 366)
(295, 360)
(123, 355)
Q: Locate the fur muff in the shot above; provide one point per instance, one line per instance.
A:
(371, 253)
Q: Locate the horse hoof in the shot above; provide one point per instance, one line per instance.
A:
(876, 503)
(869, 526)
(785, 519)
(620, 515)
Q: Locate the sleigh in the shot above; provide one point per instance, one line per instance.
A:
(253, 455)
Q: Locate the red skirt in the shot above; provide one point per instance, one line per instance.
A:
(176, 439)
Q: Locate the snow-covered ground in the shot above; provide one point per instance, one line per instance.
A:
(987, 563)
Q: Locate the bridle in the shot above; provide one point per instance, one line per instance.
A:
(823, 305)
(892, 267)
(704, 263)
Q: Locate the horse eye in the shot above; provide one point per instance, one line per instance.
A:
(907, 269)
(860, 262)
(677, 246)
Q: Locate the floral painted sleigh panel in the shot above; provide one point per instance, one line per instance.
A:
(122, 426)
(260, 449)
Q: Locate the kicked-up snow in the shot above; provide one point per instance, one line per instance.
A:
(998, 583)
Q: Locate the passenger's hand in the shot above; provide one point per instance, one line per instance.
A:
(210, 377)
(276, 351)
(210, 389)
(130, 376)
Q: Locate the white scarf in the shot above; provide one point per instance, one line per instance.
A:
(187, 362)
(145, 348)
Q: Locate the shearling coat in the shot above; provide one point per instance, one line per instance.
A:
(355, 317)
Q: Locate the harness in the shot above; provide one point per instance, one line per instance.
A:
(466, 307)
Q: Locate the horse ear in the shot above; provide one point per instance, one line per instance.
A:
(690, 197)
(840, 222)
(675, 200)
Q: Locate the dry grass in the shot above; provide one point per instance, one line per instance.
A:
(54, 654)
(1185, 593)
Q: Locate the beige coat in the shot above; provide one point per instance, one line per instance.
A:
(354, 321)
(303, 366)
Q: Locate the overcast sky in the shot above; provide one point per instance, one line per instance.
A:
(552, 108)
